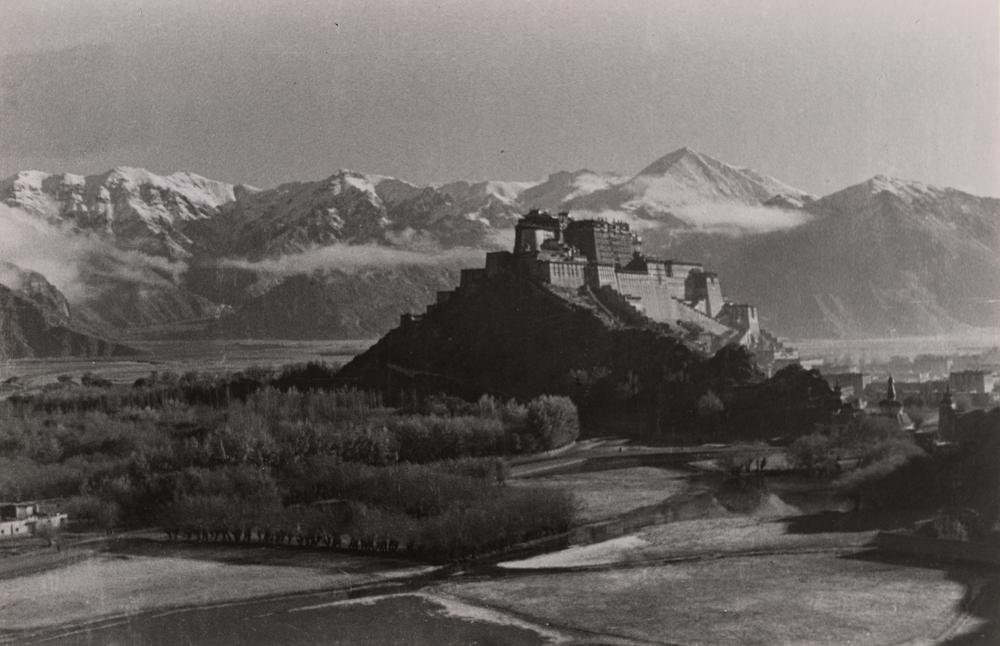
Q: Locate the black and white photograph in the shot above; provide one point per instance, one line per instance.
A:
(500, 322)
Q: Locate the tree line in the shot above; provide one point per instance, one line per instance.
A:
(246, 456)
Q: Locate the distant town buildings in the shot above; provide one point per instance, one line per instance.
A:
(852, 384)
(853, 408)
(783, 358)
(972, 381)
(975, 388)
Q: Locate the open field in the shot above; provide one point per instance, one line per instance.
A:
(767, 600)
(690, 538)
(395, 620)
(203, 355)
(127, 581)
(600, 495)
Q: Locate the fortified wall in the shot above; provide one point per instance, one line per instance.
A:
(574, 254)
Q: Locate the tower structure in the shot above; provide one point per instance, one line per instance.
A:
(946, 414)
(603, 243)
(535, 228)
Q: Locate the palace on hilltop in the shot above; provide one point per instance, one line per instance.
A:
(598, 256)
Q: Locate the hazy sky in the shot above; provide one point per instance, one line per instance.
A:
(820, 93)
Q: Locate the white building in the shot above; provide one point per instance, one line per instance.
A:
(24, 519)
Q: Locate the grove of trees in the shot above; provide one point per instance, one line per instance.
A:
(245, 457)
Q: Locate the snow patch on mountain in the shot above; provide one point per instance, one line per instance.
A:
(197, 190)
(865, 194)
(297, 216)
(558, 188)
(506, 192)
(493, 203)
(138, 209)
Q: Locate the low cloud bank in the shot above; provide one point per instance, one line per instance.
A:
(727, 219)
(76, 263)
(353, 258)
(736, 219)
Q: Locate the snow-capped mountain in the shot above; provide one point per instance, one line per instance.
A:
(907, 206)
(139, 232)
(140, 210)
(182, 215)
(694, 189)
(293, 217)
(845, 264)
(356, 208)
(494, 203)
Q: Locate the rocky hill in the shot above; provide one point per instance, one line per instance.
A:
(34, 287)
(35, 321)
(511, 337)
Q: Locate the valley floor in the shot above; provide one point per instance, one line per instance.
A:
(829, 597)
(201, 355)
(773, 575)
(137, 576)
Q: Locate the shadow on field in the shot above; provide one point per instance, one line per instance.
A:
(985, 606)
(981, 599)
(851, 521)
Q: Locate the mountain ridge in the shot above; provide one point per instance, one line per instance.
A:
(884, 256)
(684, 203)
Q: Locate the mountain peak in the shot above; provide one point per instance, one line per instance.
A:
(880, 183)
(856, 197)
(668, 161)
(346, 179)
(25, 179)
(128, 171)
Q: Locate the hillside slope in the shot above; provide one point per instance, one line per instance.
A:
(335, 304)
(28, 330)
(883, 257)
(513, 338)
